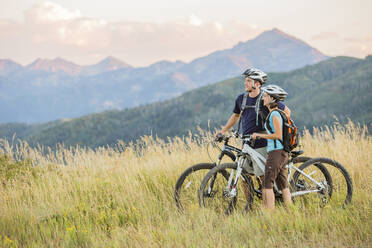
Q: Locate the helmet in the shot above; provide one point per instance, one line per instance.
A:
(256, 74)
(275, 91)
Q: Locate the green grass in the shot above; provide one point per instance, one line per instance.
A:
(123, 197)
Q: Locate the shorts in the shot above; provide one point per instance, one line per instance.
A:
(275, 170)
(253, 167)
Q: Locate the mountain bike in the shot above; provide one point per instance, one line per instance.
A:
(187, 185)
(311, 180)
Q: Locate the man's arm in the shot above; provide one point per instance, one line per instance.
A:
(287, 111)
(284, 108)
(230, 123)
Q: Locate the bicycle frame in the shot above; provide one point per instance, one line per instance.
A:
(249, 153)
(225, 150)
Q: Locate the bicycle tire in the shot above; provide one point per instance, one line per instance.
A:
(328, 164)
(180, 198)
(296, 160)
(222, 203)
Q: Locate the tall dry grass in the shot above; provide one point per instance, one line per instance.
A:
(123, 197)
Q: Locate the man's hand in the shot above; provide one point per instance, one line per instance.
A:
(220, 132)
(255, 135)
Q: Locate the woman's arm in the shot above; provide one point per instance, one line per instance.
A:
(277, 131)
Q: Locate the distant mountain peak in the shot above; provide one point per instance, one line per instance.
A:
(8, 66)
(113, 63)
(275, 32)
(109, 63)
(55, 65)
(42, 61)
(7, 62)
(112, 58)
(167, 63)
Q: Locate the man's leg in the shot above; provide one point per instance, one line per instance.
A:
(246, 190)
(258, 170)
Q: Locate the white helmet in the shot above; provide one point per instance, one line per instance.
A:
(256, 74)
(275, 91)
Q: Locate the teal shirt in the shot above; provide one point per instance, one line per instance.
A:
(270, 142)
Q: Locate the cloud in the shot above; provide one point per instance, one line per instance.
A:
(325, 36)
(218, 26)
(49, 11)
(194, 20)
(358, 47)
(9, 28)
(50, 30)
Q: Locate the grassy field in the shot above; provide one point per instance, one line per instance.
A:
(123, 197)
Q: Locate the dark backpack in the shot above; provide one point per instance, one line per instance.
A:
(289, 132)
(261, 117)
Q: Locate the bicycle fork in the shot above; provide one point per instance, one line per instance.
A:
(231, 187)
(210, 187)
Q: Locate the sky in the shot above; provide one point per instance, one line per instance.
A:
(143, 32)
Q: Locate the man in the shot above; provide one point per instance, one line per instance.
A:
(254, 79)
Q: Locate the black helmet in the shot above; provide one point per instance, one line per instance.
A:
(256, 74)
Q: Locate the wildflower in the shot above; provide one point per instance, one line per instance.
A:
(7, 239)
(70, 228)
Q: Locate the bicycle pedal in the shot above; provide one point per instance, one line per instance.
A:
(210, 195)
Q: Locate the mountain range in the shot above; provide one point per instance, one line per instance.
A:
(48, 90)
(59, 65)
(339, 88)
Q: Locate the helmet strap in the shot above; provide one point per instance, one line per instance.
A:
(273, 101)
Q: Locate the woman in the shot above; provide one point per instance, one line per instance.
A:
(277, 158)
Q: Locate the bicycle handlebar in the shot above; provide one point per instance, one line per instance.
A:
(226, 138)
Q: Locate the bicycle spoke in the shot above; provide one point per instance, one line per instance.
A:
(312, 188)
(188, 193)
(334, 183)
(188, 184)
(225, 199)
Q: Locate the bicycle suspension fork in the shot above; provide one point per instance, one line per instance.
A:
(210, 187)
(231, 187)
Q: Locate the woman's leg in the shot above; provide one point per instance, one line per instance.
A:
(281, 180)
(271, 172)
(287, 199)
(268, 199)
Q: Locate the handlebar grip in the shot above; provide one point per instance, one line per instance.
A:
(246, 136)
(219, 138)
(253, 141)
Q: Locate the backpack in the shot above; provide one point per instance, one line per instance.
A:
(263, 113)
(289, 132)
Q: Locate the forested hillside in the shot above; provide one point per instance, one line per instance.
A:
(339, 87)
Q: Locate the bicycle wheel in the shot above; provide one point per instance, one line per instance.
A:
(187, 185)
(336, 185)
(220, 201)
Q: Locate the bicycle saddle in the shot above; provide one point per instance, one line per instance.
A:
(296, 153)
